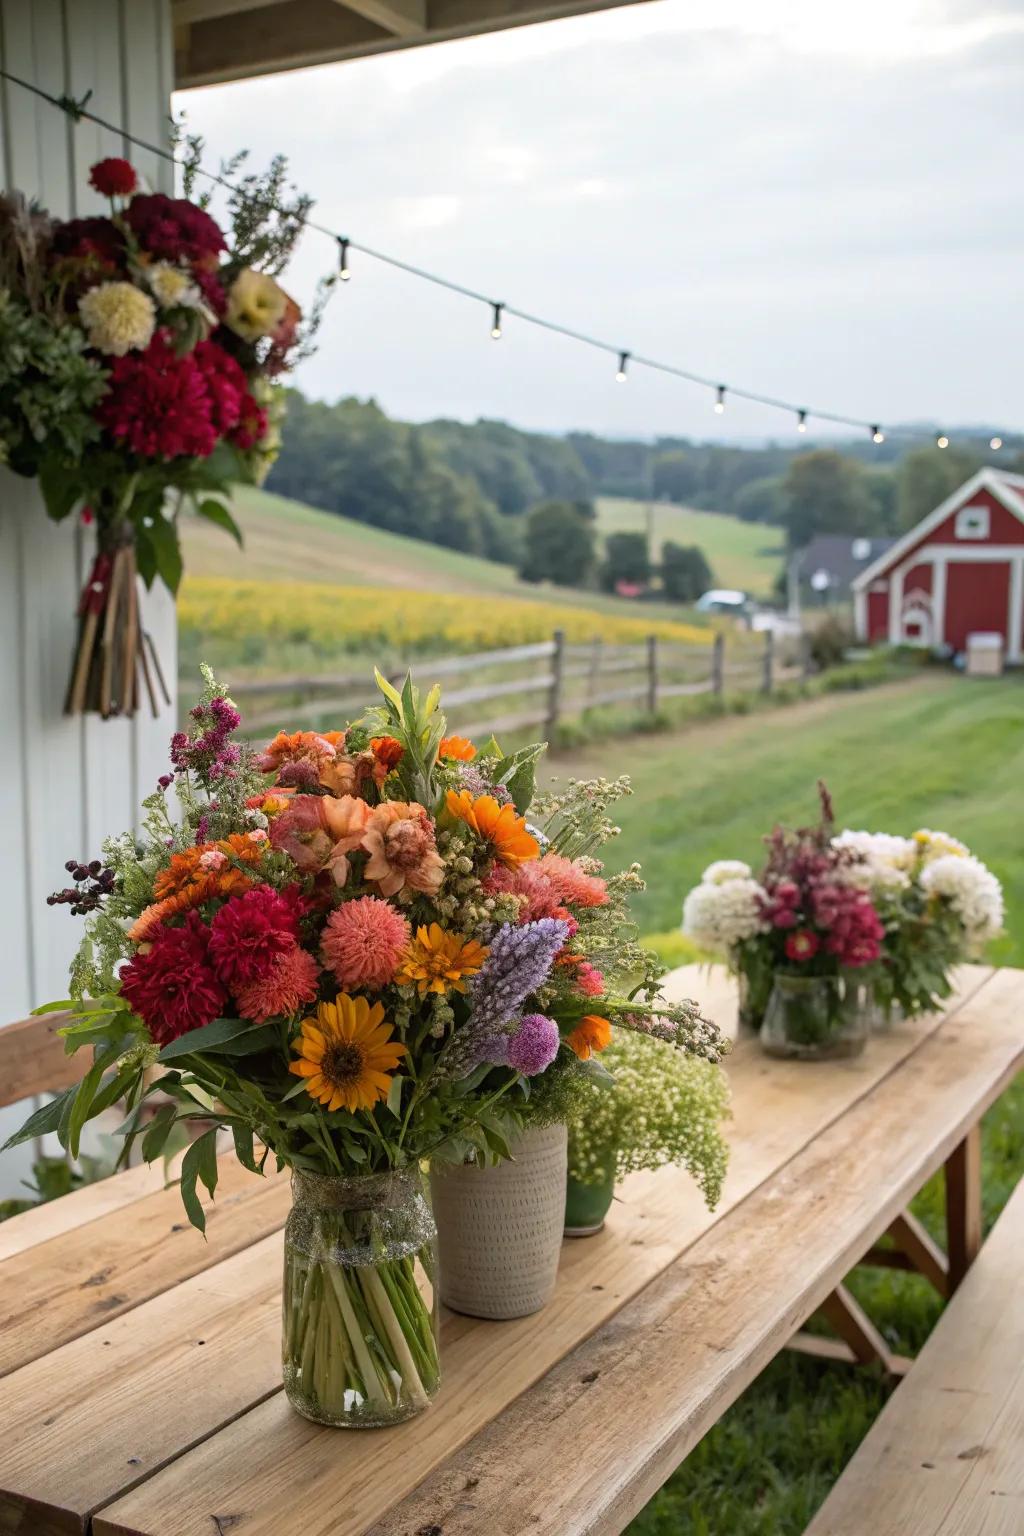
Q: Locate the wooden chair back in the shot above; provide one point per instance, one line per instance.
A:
(32, 1059)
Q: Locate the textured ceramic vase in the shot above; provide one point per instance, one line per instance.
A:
(500, 1229)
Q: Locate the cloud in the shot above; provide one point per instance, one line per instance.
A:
(816, 201)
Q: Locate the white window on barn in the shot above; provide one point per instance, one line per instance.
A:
(972, 523)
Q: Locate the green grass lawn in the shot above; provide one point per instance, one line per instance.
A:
(744, 555)
(940, 751)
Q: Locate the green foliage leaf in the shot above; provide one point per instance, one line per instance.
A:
(216, 512)
(155, 1139)
(157, 550)
(42, 1121)
(199, 1165)
(245, 1149)
(220, 1037)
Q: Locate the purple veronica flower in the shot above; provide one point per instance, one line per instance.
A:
(520, 961)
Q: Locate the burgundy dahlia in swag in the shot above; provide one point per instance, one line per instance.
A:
(153, 343)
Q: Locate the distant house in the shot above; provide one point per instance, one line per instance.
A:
(960, 570)
(832, 561)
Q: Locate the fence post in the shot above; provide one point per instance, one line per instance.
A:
(652, 674)
(769, 660)
(594, 673)
(718, 664)
(805, 655)
(557, 665)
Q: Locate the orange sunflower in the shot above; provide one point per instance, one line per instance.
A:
(459, 748)
(591, 1034)
(346, 1054)
(499, 825)
(437, 961)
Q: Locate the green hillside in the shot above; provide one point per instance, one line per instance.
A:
(744, 555)
(288, 541)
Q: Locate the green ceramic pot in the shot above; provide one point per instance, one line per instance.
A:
(587, 1205)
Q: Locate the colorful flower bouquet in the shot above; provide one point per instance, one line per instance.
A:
(137, 358)
(856, 910)
(663, 1107)
(353, 952)
(939, 905)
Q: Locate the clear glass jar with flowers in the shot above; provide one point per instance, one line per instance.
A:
(352, 953)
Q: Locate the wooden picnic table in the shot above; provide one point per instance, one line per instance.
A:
(140, 1364)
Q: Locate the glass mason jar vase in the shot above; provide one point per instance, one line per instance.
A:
(816, 1018)
(360, 1343)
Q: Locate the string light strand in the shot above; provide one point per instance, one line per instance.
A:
(78, 111)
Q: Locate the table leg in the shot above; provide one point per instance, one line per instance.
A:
(963, 1206)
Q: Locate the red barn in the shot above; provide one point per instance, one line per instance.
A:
(960, 570)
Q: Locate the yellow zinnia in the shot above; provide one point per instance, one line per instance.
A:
(437, 961)
(346, 1053)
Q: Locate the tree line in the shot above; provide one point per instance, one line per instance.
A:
(471, 486)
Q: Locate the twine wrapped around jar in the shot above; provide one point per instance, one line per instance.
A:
(500, 1229)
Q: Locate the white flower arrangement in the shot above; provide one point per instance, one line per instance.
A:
(720, 913)
(883, 862)
(972, 891)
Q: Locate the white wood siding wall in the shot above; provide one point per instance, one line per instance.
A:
(67, 784)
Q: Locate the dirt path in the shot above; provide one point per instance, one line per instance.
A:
(606, 757)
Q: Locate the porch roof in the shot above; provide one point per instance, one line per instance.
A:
(217, 40)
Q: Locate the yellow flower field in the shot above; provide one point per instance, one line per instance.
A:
(256, 619)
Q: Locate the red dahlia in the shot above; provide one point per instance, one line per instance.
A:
(225, 384)
(251, 932)
(158, 405)
(172, 986)
(173, 229)
(113, 178)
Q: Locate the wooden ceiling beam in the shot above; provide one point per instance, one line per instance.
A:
(403, 18)
(183, 12)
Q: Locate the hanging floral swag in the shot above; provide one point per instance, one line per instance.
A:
(138, 358)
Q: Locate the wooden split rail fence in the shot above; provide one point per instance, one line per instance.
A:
(523, 687)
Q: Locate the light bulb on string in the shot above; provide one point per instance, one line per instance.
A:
(621, 374)
(496, 322)
(720, 400)
(942, 441)
(877, 435)
(343, 271)
(996, 443)
(801, 421)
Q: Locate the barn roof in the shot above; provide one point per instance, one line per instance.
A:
(841, 555)
(1006, 487)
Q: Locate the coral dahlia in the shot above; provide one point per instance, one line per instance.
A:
(289, 985)
(363, 942)
(399, 838)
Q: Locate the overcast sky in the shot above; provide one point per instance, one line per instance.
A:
(815, 200)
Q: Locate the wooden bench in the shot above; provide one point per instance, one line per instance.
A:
(946, 1455)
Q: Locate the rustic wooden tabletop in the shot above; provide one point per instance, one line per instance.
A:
(141, 1375)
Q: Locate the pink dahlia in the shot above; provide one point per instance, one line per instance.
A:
(289, 985)
(250, 932)
(589, 980)
(572, 884)
(157, 404)
(363, 941)
(538, 895)
(172, 986)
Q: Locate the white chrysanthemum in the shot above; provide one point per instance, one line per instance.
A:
(883, 861)
(726, 869)
(938, 845)
(718, 917)
(172, 288)
(118, 317)
(972, 891)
